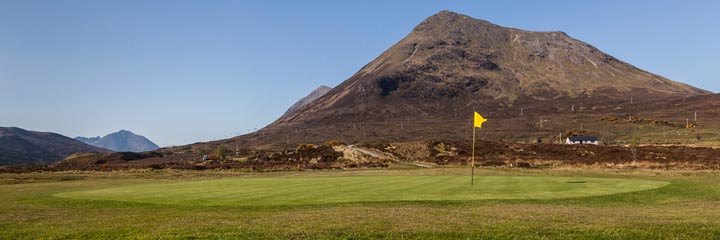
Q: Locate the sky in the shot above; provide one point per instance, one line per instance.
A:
(180, 71)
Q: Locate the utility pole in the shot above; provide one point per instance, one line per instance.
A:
(541, 122)
(695, 118)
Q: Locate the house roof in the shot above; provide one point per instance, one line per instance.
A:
(583, 138)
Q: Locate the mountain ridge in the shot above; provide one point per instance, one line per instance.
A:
(315, 94)
(19, 146)
(426, 65)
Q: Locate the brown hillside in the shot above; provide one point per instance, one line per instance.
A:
(20, 147)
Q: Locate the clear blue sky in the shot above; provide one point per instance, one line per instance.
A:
(185, 71)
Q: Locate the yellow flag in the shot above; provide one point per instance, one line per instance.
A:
(479, 120)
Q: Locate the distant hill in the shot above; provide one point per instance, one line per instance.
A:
(19, 146)
(121, 141)
(315, 94)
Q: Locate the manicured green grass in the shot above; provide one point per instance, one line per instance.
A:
(329, 190)
(687, 206)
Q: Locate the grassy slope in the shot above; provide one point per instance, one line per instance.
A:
(687, 208)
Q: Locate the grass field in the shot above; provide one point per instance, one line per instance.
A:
(391, 204)
(333, 190)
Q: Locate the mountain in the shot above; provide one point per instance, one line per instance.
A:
(530, 85)
(19, 146)
(121, 141)
(315, 94)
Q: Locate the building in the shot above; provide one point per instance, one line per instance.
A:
(582, 140)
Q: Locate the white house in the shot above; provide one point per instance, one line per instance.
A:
(582, 140)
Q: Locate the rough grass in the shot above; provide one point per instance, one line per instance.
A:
(687, 208)
(333, 190)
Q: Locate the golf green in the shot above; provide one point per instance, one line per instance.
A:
(324, 190)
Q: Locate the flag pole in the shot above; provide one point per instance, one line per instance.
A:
(472, 164)
(478, 120)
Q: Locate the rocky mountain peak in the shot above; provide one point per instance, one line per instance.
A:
(121, 141)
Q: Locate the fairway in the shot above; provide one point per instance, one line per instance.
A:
(354, 189)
